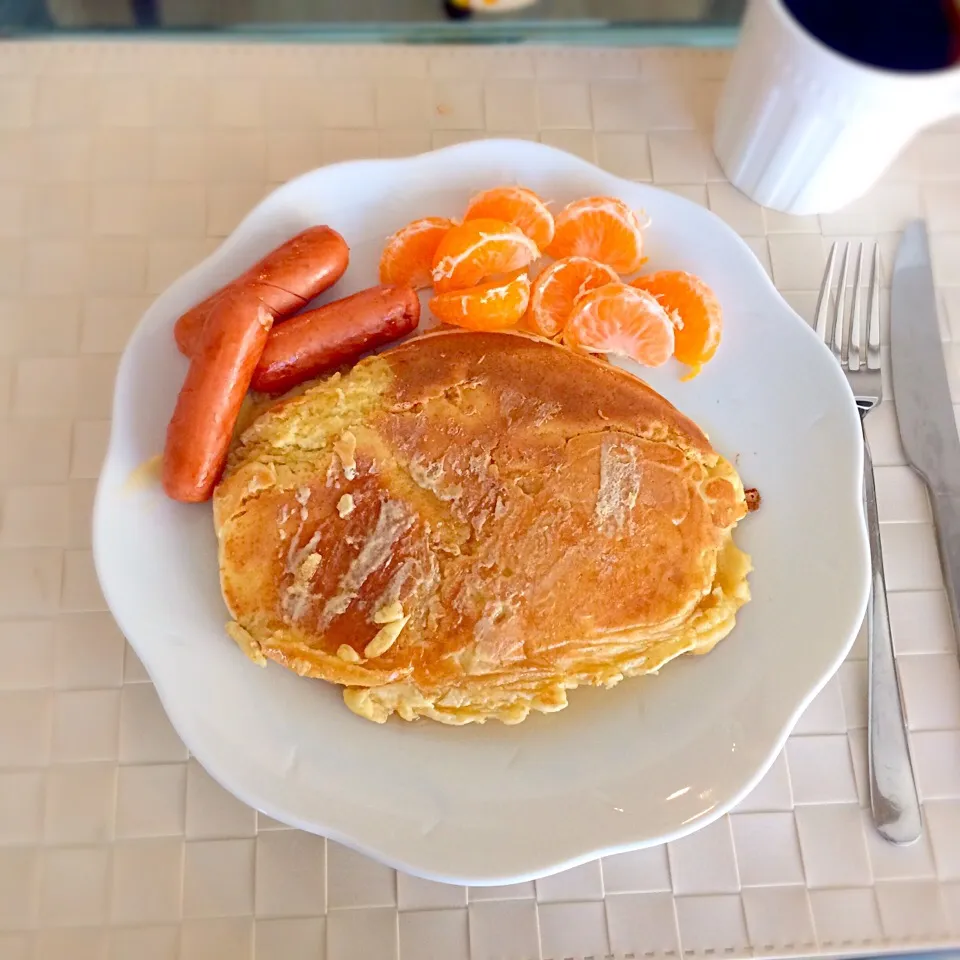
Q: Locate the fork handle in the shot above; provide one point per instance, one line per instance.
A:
(893, 792)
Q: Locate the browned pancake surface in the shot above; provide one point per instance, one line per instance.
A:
(470, 524)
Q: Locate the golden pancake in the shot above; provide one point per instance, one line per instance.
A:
(470, 524)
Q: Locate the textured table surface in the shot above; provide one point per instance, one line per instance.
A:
(121, 166)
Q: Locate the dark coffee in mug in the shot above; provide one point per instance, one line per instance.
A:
(907, 35)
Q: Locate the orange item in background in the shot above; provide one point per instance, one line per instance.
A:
(601, 228)
(695, 309)
(516, 205)
(478, 249)
(407, 258)
(556, 290)
(496, 305)
(624, 321)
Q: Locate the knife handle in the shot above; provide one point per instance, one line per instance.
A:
(946, 517)
(893, 792)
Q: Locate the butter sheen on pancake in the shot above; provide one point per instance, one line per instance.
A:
(470, 524)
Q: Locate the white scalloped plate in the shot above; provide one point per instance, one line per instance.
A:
(653, 759)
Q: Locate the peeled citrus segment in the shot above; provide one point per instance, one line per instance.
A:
(407, 259)
(556, 289)
(601, 228)
(496, 305)
(478, 249)
(621, 320)
(695, 310)
(516, 205)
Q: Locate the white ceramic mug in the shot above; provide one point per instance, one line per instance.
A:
(804, 129)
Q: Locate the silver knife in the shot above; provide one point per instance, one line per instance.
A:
(928, 429)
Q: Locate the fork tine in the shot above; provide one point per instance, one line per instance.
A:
(856, 339)
(873, 321)
(823, 301)
(838, 313)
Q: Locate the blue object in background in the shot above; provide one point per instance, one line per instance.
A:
(907, 35)
(27, 14)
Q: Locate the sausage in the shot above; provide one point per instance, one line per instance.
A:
(189, 328)
(335, 334)
(199, 433)
(288, 278)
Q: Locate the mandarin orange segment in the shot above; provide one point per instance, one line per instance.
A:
(496, 305)
(516, 205)
(601, 228)
(478, 249)
(696, 312)
(556, 289)
(621, 320)
(407, 259)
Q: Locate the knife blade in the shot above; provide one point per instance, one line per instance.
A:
(928, 430)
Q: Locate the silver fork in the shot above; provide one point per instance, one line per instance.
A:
(893, 791)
